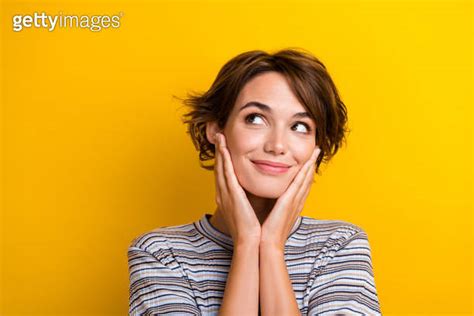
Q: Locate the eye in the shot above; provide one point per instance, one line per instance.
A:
(249, 118)
(308, 129)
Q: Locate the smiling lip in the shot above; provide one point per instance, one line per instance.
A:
(271, 163)
(270, 167)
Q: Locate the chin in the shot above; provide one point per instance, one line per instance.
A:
(266, 193)
(266, 189)
(270, 187)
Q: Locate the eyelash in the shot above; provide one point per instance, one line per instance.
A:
(308, 128)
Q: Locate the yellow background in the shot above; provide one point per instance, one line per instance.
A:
(94, 152)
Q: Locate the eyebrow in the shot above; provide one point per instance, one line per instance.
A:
(266, 108)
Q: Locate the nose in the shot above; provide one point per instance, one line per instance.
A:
(275, 142)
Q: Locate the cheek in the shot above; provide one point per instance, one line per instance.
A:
(241, 137)
(238, 149)
(242, 142)
(302, 152)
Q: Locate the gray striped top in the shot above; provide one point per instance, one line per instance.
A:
(183, 269)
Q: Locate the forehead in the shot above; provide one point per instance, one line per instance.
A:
(270, 88)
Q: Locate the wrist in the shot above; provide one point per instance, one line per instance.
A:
(273, 248)
(247, 244)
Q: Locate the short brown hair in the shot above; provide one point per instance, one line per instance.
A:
(308, 78)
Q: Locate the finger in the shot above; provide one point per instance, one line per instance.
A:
(216, 175)
(229, 167)
(302, 199)
(224, 163)
(298, 183)
(318, 153)
(302, 173)
(301, 187)
(221, 183)
(312, 162)
(311, 166)
(306, 186)
(309, 178)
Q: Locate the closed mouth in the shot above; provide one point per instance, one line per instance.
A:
(271, 163)
(270, 169)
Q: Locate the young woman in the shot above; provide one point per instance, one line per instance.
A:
(268, 120)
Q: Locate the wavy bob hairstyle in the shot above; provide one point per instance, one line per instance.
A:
(307, 77)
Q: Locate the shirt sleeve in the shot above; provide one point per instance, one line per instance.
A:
(157, 288)
(346, 284)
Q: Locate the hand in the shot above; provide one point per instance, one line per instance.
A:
(280, 221)
(231, 199)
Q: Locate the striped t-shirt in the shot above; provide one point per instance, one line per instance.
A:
(183, 269)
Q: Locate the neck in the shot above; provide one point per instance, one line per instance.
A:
(261, 206)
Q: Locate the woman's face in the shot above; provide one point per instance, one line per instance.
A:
(268, 123)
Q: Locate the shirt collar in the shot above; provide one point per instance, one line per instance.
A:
(204, 226)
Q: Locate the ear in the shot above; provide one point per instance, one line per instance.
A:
(211, 129)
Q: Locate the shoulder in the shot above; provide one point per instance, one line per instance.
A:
(338, 242)
(335, 232)
(163, 237)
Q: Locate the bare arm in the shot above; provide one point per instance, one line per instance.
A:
(277, 295)
(242, 287)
